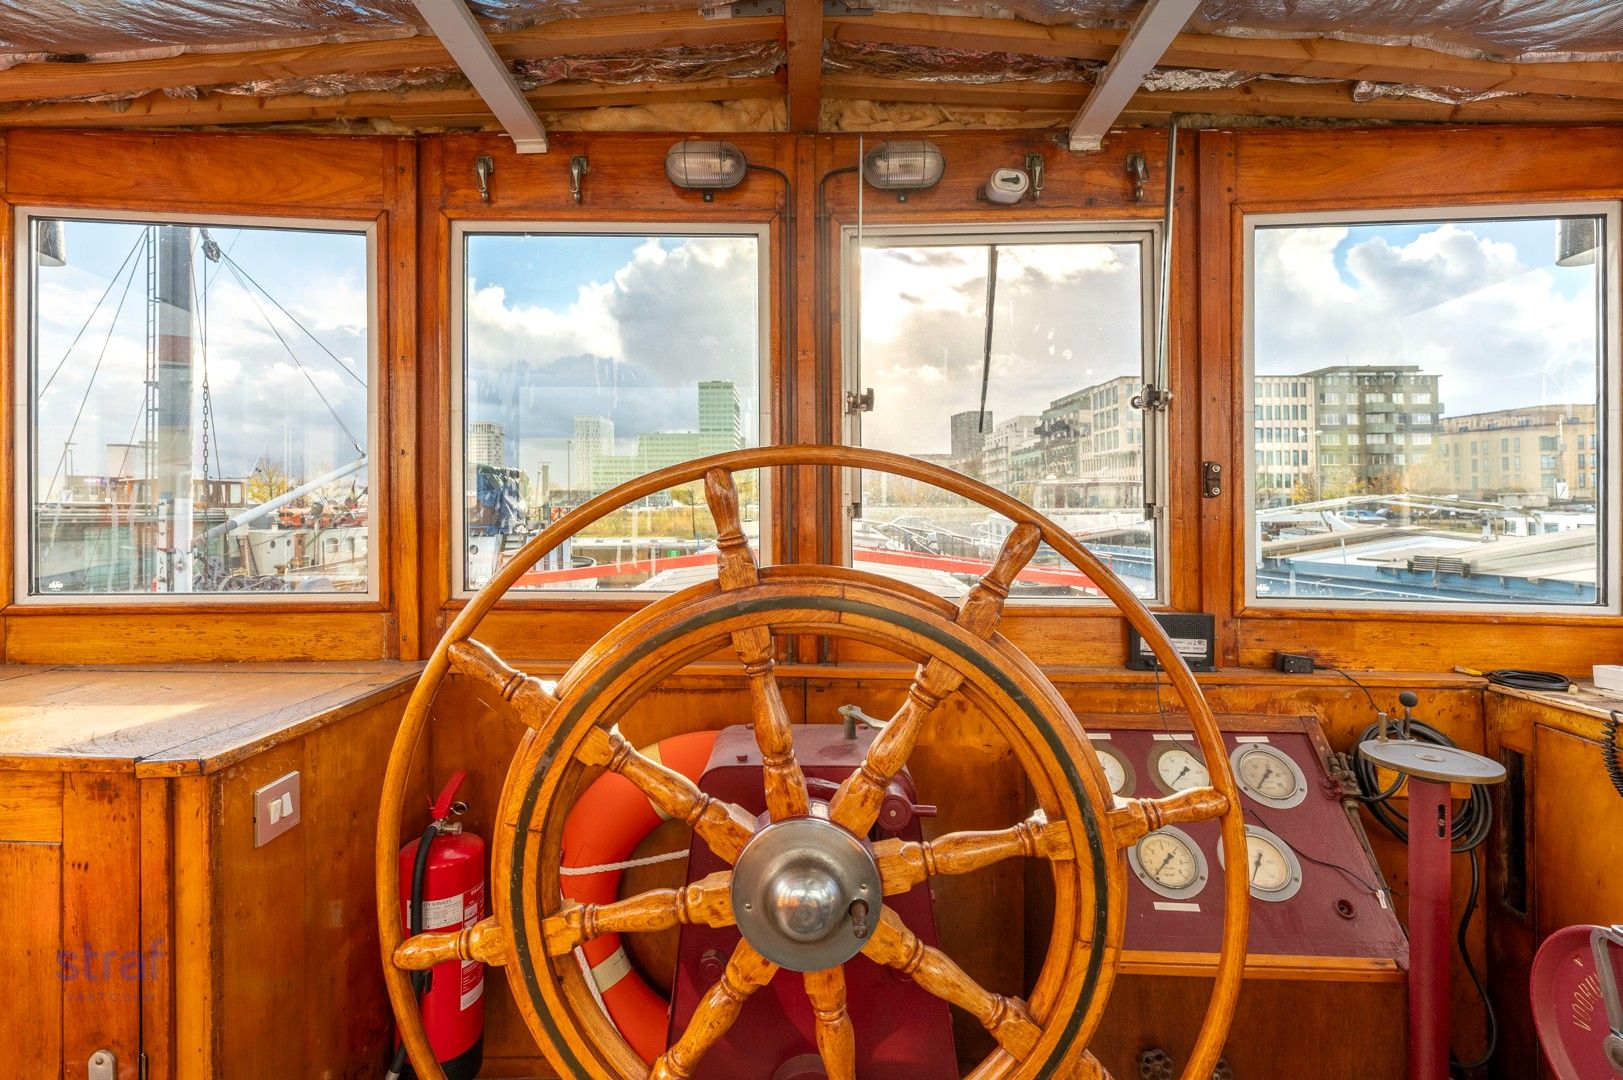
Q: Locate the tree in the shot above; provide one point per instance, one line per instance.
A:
(267, 481)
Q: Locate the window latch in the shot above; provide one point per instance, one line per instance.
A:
(858, 403)
(1150, 397)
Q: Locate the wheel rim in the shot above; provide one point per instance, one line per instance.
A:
(514, 944)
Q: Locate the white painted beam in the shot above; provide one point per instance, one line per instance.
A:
(465, 40)
(1140, 51)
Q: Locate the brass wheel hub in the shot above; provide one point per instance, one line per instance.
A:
(806, 893)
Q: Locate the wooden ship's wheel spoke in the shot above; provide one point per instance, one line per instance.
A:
(836, 1037)
(736, 569)
(723, 826)
(856, 804)
(904, 864)
(1007, 1018)
(529, 696)
(1135, 817)
(484, 941)
(746, 972)
(707, 902)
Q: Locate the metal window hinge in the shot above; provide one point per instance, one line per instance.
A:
(142, 1066)
(858, 403)
(1211, 479)
(103, 1065)
(1151, 397)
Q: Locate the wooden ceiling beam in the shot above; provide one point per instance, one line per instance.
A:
(1309, 57)
(427, 107)
(1270, 99)
(55, 80)
(803, 30)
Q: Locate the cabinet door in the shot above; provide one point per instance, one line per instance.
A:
(69, 903)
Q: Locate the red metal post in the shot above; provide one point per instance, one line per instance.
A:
(1430, 905)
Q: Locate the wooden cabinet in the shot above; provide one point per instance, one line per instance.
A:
(1553, 854)
(141, 919)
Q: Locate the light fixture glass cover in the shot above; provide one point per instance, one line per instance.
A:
(1577, 241)
(904, 165)
(705, 164)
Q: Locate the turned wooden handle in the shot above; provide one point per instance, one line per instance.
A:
(1132, 820)
(484, 941)
(527, 694)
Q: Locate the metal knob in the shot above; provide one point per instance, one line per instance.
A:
(804, 902)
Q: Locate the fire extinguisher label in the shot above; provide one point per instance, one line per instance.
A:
(473, 972)
(449, 911)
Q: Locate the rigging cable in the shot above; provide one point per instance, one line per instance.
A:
(113, 281)
(90, 385)
(1470, 829)
(297, 362)
(345, 368)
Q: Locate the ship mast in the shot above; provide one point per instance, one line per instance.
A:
(176, 321)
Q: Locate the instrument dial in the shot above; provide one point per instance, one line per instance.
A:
(1169, 863)
(1177, 768)
(1268, 775)
(1118, 771)
(1274, 872)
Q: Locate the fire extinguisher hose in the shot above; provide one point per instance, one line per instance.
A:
(414, 926)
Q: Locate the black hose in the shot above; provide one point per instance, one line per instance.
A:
(414, 926)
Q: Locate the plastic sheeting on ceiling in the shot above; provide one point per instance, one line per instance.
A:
(1521, 30)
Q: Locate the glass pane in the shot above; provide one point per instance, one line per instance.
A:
(1425, 401)
(199, 409)
(1058, 430)
(591, 360)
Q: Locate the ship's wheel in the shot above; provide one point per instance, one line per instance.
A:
(806, 889)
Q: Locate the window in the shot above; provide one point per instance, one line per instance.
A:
(1451, 328)
(1069, 341)
(589, 359)
(198, 408)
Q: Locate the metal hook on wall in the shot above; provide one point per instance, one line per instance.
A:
(1138, 170)
(483, 166)
(577, 169)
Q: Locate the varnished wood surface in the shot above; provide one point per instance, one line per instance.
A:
(156, 721)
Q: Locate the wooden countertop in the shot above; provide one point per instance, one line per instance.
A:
(1579, 711)
(174, 720)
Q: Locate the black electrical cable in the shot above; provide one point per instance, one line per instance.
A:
(1608, 753)
(414, 926)
(1470, 828)
(1551, 681)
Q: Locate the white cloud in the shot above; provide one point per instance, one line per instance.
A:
(1457, 302)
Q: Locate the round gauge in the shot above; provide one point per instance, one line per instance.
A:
(1169, 863)
(1271, 866)
(1176, 767)
(1118, 770)
(1268, 775)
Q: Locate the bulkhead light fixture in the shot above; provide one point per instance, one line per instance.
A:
(50, 242)
(705, 165)
(904, 165)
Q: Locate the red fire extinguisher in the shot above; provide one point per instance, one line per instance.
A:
(442, 887)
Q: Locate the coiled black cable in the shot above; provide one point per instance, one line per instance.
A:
(1470, 828)
(1608, 753)
(1550, 681)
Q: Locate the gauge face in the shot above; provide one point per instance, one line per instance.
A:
(1272, 868)
(1268, 775)
(1117, 771)
(1169, 863)
(1177, 768)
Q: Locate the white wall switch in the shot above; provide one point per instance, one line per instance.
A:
(277, 806)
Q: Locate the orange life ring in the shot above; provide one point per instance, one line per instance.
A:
(604, 827)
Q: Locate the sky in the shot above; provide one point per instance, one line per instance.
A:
(626, 327)
(1482, 304)
(1066, 315)
(267, 377)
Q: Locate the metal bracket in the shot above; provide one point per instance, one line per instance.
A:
(577, 169)
(103, 1066)
(483, 166)
(1151, 397)
(859, 403)
(1034, 166)
(1211, 479)
(1138, 170)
